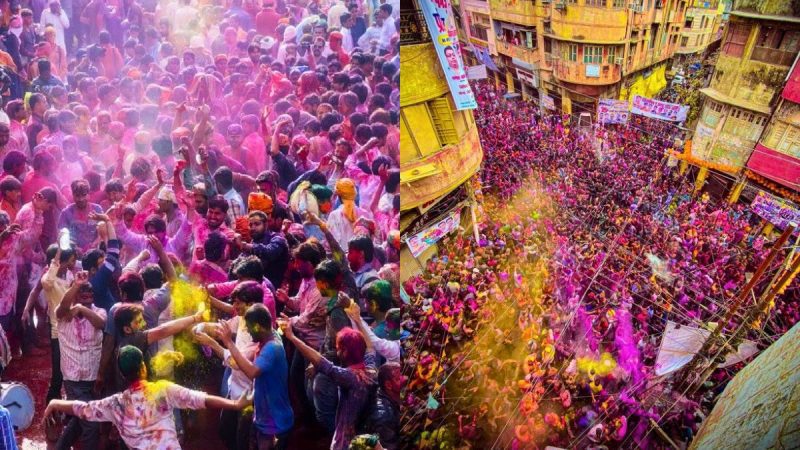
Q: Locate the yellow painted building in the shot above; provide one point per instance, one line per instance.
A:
(758, 48)
(701, 26)
(439, 146)
(577, 51)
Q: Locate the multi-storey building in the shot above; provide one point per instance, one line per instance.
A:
(440, 149)
(760, 44)
(701, 28)
(573, 52)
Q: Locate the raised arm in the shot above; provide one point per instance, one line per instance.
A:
(65, 307)
(245, 365)
(308, 353)
(172, 327)
(163, 258)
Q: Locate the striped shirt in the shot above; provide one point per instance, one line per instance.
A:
(7, 439)
(81, 346)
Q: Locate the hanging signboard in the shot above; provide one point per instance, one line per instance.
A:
(612, 111)
(419, 242)
(777, 211)
(528, 78)
(548, 102)
(442, 27)
(477, 72)
(659, 110)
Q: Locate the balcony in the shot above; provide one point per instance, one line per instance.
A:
(521, 12)
(529, 55)
(774, 56)
(453, 165)
(587, 74)
(413, 29)
(590, 24)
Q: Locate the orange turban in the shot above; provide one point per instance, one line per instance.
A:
(346, 190)
(259, 201)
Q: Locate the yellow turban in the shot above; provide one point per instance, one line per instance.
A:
(259, 201)
(346, 190)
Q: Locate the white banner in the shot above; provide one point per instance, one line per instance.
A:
(659, 110)
(679, 345)
(477, 72)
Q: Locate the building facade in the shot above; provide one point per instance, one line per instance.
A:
(440, 150)
(701, 27)
(743, 117)
(569, 53)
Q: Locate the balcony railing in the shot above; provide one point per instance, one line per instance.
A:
(773, 56)
(413, 29)
(587, 73)
(517, 51)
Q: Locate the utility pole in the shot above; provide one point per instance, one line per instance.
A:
(755, 314)
(683, 380)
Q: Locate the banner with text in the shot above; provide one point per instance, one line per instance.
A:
(776, 210)
(442, 27)
(612, 111)
(659, 110)
(419, 242)
(477, 72)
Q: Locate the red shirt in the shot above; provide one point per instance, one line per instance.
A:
(267, 22)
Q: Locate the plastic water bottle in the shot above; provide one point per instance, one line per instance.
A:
(64, 240)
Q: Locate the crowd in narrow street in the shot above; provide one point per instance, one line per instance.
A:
(545, 331)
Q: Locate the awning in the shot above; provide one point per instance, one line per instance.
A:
(510, 95)
(778, 167)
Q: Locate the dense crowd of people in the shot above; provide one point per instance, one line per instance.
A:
(197, 194)
(545, 331)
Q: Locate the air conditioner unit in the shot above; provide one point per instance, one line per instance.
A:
(618, 60)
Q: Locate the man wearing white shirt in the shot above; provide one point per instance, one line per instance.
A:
(58, 19)
(388, 30)
(335, 13)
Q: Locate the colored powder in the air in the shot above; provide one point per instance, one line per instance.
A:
(601, 367)
(164, 362)
(188, 299)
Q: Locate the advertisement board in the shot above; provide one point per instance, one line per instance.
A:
(659, 110)
(441, 25)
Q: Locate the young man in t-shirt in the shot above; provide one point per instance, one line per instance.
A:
(273, 412)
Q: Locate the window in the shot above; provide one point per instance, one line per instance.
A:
(592, 54)
(442, 117)
(688, 23)
(595, 2)
(548, 45)
(684, 41)
(570, 52)
(612, 55)
(735, 39)
(653, 33)
(619, 3)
